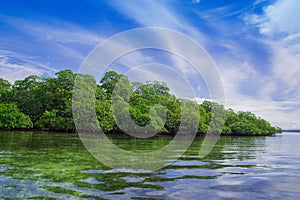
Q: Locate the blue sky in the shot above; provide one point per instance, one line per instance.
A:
(255, 44)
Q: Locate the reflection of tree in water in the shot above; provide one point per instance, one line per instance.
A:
(55, 161)
(227, 149)
(130, 143)
(60, 163)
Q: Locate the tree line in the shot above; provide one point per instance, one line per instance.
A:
(46, 103)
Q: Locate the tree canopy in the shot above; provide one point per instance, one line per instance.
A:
(120, 105)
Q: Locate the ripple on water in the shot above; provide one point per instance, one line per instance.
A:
(188, 173)
(132, 179)
(3, 169)
(5, 152)
(239, 168)
(92, 181)
(188, 163)
(93, 171)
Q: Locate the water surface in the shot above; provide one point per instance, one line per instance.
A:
(35, 165)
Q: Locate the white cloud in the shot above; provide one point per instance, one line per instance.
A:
(280, 91)
(277, 94)
(56, 44)
(151, 13)
(64, 39)
(55, 31)
(64, 33)
(196, 1)
(161, 14)
(282, 17)
(13, 72)
(9, 56)
(260, 103)
(44, 48)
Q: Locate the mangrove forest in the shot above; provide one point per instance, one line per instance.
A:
(45, 103)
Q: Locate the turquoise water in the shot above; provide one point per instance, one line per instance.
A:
(35, 165)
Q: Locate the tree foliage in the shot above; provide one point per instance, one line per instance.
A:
(5, 91)
(12, 118)
(46, 103)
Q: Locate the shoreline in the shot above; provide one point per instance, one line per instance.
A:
(120, 133)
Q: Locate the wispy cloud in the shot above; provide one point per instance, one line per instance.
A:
(161, 14)
(13, 72)
(58, 37)
(279, 18)
(280, 31)
(265, 83)
(45, 48)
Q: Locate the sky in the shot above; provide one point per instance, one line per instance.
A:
(254, 44)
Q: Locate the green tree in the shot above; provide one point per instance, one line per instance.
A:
(203, 120)
(11, 117)
(5, 91)
(105, 116)
(51, 120)
(49, 103)
(27, 94)
(109, 81)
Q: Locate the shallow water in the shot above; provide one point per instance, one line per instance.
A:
(35, 165)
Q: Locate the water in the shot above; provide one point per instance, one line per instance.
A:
(36, 165)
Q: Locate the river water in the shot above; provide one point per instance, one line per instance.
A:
(36, 165)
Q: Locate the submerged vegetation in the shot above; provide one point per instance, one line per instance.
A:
(46, 103)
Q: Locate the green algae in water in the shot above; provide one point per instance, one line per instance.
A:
(39, 165)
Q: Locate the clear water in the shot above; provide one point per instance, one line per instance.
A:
(35, 165)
